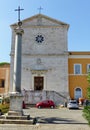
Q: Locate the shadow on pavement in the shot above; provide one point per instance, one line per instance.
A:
(55, 120)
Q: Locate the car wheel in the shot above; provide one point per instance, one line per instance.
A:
(52, 107)
(39, 107)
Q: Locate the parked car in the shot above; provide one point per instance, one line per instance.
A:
(73, 104)
(45, 104)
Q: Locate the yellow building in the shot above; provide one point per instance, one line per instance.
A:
(78, 66)
(4, 78)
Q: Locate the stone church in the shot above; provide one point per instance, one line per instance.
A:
(44, 57)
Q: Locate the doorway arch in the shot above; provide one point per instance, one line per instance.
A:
(78, 93)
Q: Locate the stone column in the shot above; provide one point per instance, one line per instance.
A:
(16, 97)
(17, 60)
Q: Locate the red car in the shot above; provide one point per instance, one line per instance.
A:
(45, 104)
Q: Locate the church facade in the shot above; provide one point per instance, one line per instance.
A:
(45, 56)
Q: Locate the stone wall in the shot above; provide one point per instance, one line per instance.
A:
(32, 97)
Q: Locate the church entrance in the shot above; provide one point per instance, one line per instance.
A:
(38, 83)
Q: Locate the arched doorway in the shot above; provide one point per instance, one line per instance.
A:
(78, 93)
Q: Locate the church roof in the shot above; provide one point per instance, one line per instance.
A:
(45, 17)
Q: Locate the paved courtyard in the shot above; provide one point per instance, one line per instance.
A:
(55, 119)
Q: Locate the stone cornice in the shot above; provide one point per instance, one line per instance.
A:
(42, 26)
(43, 16)
(28, 54)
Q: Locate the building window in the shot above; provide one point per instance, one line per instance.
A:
(77, 69)
(78, 93)
(2, 83)
(88, 68)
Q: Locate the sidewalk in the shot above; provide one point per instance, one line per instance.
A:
(44, 127)
(52, 119)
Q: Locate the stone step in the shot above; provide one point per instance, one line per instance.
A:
(25, 117)
(15, 113)
(9, 121)
(17, 120)
(17, 117)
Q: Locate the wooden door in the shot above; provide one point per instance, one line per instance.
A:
(38, 83)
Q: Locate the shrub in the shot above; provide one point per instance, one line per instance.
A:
(86, 113)
(86, 110)
(4, 108)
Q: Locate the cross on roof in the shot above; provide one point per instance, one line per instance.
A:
(40, 8)
(19, 12)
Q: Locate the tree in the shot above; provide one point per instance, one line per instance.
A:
(4, 63)
(86, 110)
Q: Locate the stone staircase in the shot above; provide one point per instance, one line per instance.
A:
(32, 97)
(9, 119)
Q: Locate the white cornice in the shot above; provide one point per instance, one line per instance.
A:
(79, 56)
(77, 74)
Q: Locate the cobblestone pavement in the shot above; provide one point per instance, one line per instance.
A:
(55, 119)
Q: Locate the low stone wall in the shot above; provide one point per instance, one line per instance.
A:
(32, 97)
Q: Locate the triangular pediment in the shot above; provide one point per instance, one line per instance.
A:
(42, 20)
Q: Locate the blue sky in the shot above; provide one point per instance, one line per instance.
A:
(74, 12)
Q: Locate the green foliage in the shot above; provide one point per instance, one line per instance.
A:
(88, 89)
(86, 110)
(6, 100)
(4, 108)
(88, 93)
(86, 113)
(4, 63)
